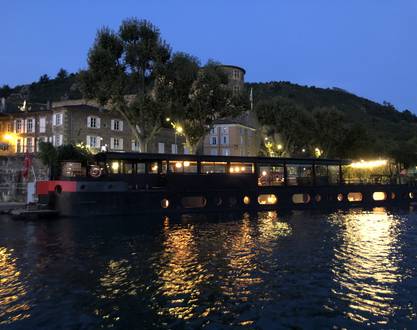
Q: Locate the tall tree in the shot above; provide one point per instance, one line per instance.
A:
(131, 61)
(62, 74)
(199, 97)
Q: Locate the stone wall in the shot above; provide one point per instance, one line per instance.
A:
(13, 185)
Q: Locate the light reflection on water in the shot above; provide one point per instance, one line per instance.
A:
(366, 266)
(305, 270)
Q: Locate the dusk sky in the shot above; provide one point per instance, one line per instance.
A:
(368, 47)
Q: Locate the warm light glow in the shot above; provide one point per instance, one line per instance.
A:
(246, 200)
(369, 164)
(267, 199)
(178, 165)
(303, 150)
(186, 163)
(115, 166)
(179, 129)
(154, 168)
(264, 173)
(8, 137)
(279, 146)
(168, 119)
(379, 196)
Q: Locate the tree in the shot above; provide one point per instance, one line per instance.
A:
(62, 74)
(131, 61)
(287, 125)
(5, 91)
(43, 79)
(200, 95)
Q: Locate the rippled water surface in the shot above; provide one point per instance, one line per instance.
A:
(262, 271)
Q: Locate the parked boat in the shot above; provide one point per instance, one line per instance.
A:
(135, 183)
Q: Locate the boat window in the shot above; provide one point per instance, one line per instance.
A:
(322, 177)
(213, 167)
(72, 169)
(299, 175)
(115, 167)
(271, 175)
(334, 174)
(183, 166)
(153, 168)
(354, 197)
(379, 196)
(140, 168)
(128, 168)
(267, 199)
(301, 198)
(241, 168)
(190, 202)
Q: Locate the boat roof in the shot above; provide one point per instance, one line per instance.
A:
(271, 160)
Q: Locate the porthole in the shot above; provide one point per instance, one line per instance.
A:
(380, 196)
(58, 189)
(232, 201)
(165, 203)
(340, 197)
(317, 198)
(301, 198)
(246, 200)
(411, 195)
(355, 197)
(191, 202)
(393, 196)
(267, 199)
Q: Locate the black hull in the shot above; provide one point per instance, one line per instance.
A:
(133, 202)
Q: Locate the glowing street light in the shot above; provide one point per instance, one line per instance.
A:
(279, 146)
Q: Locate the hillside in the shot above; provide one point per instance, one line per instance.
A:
(388, 130)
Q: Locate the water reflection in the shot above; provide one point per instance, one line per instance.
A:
(13, 303)
(366, 266)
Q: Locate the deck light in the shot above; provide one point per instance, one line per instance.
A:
(369, 164)
(115, 166)
(178, 165)
(186, 163)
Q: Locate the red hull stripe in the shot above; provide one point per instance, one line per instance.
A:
(44, 187)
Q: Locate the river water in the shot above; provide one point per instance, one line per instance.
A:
(346, 269)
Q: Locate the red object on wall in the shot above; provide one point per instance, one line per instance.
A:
(27, 163)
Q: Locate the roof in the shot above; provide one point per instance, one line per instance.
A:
(81, 107)
(271, 160)
(227, 121)
(234, 67)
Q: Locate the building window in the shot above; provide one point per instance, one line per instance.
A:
(135, 146)
(116, 143)
(224, 139)
(18, 126)
(225, 130)
(93, 122)
(213, 140)
(174, 148)
(19, 145)
(213, 131)
(226, 152)
(236, 74)
(30, 125)
(57, 140)
(30, 144)
(213, 152)
(42, 125)
(57, 119)
(161, 147)
(116, 125)
(93, 141)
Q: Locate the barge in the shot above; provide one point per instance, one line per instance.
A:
(137, 183)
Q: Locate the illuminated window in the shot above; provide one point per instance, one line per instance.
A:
(153, 168)
(267, 199)
(379, 196)
(140, 168)
(355, 197)
(246, 200)
(115, 167)
(190, 202)
(241, 168)
(301, 198)
(213, 167)
(340, 197)
(183, 166)
(299, 175)
(271, 175)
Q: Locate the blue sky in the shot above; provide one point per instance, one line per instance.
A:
(368, 47)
